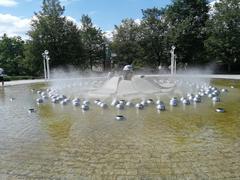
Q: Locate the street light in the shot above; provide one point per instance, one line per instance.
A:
(46, 68)
(107, 58)
(173, 63)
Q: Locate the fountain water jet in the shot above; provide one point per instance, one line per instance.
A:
(132, 86)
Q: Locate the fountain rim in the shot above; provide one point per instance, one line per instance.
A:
(211, 76)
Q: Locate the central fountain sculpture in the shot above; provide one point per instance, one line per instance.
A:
(128, 84)
(128, 87)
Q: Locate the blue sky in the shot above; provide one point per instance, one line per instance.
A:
(106, 13)
(15, 15)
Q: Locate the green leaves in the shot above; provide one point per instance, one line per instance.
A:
(52, 8)
(93, 42)
(183, 24)
(224, 32)
(126, 42)
(67, 43)
(186, 22)
(59, 36)
(153, 41)
(11, 55)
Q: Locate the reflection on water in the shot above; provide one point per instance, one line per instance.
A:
(64, 142)
(57, 126)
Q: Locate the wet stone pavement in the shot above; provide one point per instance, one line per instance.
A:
(66, 143)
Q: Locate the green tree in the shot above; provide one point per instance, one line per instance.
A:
(11, 55)
(126, 43)
(186, 21)
(153, 33)
(52, 31)
(224, 32)
(93, 42)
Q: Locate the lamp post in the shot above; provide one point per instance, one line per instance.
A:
(173, 63)
(107, 59)
(46, 68)
(113, 55)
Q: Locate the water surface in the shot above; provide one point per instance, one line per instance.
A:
(56, 142)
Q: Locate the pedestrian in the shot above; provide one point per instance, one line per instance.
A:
(185, 66)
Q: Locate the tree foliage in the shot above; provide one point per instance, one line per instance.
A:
(200, 37)
(224, 32)
(126, 42)
(52, 31)
(186, 21)
(11, 55)
(183, 24)
(153, 37)
(93, 42)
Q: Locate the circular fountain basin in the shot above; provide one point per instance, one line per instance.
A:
(64, 142)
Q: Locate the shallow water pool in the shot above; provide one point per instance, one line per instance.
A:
(63, 142)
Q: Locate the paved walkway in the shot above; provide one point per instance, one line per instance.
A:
(18, 82)
(215, 76)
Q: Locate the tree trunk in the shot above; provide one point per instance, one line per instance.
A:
(229, 67)
(91, 64)
(104, 65)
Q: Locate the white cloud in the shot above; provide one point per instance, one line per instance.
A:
(70, 18)
(137, 21)
(17, 26)
(212, 4)
(108, 35)
(13, 25)
(212, 7)
(66, 2)
(8, 3)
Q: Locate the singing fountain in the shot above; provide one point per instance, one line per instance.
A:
(129, 85)
(126, 126)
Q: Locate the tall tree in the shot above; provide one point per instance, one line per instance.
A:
(93, 41)
(186, 20)
(11, 55)
(52, 31)
(126, 42)
(153, 30)
(224, 32)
